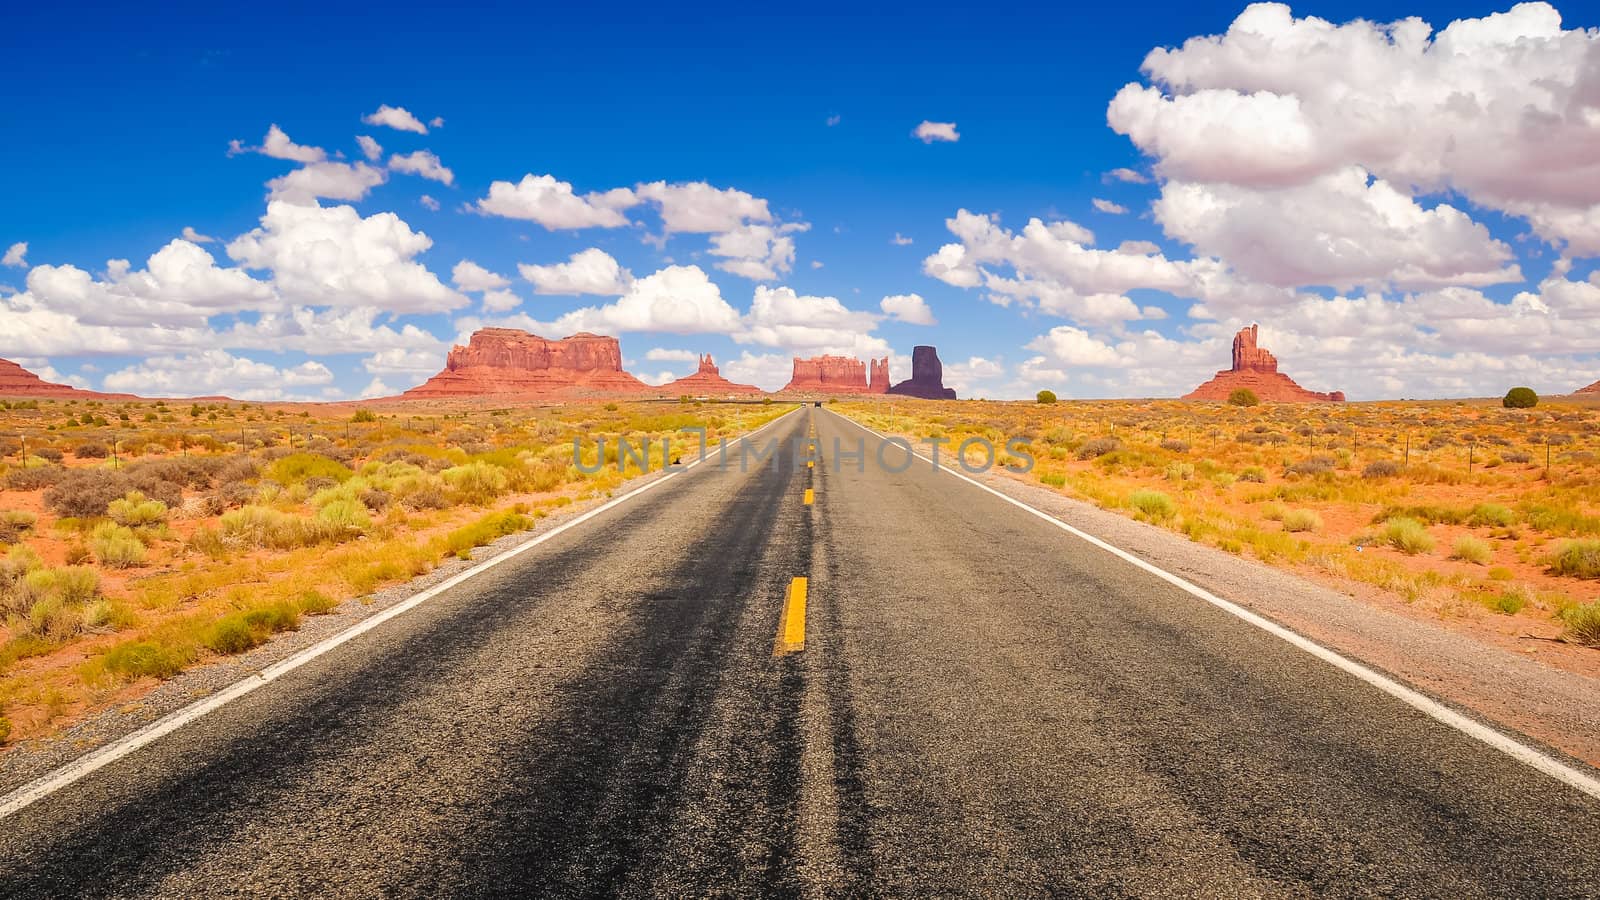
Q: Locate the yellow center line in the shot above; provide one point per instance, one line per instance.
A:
(810, 496)
(792, 624)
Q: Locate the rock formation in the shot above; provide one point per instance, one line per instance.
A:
(927, 377)
(508, 361)
(15, 381)
(707, 382)
(878, 380)
(1255, 368)
(838, 375)
(1591, 389)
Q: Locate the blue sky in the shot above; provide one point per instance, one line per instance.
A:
(121, 141)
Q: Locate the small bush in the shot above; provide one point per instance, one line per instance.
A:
(1577, 559)
(364, 415)
(1312, 466)
(1520, 398)
(1243, 397)
(14, 523)
(1491, 515)
(34, 478)
(461, 541)
(1301, 520)
(1045, 397)
(1098, 447)
(1180, 472)
(137, 659)
(1470, 549)
(476, 482)
(91, 450)
(116, 546)
(1582, 621)
(135, 510)
(1175, 445)
(296, 468)
(1154, 504)
(1254, 474)
(1408, 536)
(241, 631)
(1381, 468)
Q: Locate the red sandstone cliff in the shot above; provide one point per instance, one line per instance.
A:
(1591, 389)
(508, 361)
(927, 377)
(1256, 368)
(15, 381)
(838, 375)
(708, 382)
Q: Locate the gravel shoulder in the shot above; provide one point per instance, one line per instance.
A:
(34, 758)
(1557, 708)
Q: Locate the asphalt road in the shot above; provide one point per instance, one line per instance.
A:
(984, 705)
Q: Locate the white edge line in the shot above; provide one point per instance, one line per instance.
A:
(96, 759)
(1410, 696)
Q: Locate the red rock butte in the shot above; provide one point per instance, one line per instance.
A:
(15, 381)
(707, 382)
(1591, 389)
(838, 375)
(1255, 368)
(508, 361)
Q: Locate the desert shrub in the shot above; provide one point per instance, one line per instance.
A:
(1301, 520)
(1508, 602)
(91, 450)
(1520, 398)
(87, 493)
(1381, 468)
(297, 468)
(1175, 445)
(1261, 437)
(1582, 621)
(1491, 515)
(1045, 397)
(34, 478)
(1470, 549)
(263, 526)
(345, 515)
(1254, 474)
(1577, 559)
(375, 499)
(1429, 514)
(137, 659)
(240, 631)
(1154, 504)
(198, 472)
(476, 482)
(1243, 397)
(135, 510)
(1311, 466)
(1098, 447)
(315, 603)
(238, 469)
(1407, 535)
(1516, 456)
(116, 546)
(49, 454)
(1180, 472)
(14, 523)
(364, 415)
(461, 541)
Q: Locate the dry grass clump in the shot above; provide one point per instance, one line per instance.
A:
(1577, 559)
(1098, 447)
(1470, 549)
(1407, 535)
(1582, 621)
(1153, 504)
(14, 524)
(1301, 520)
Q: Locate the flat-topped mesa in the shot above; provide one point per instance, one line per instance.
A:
(508, 361)
(15, 381)
(707, 381)
(1256, 369)
(927, 377)
(835, 375)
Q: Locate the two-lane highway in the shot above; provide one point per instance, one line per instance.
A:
(982, 704)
